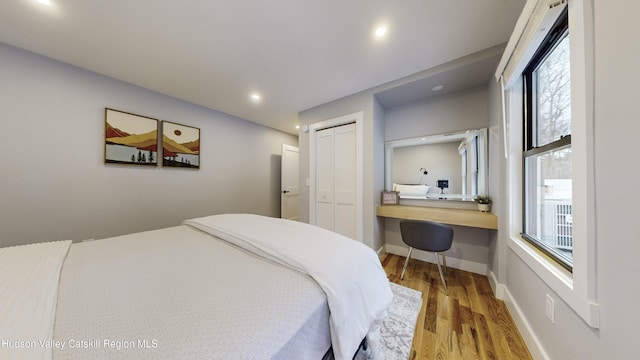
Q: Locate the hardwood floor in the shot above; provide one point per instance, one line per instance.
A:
(468, 324)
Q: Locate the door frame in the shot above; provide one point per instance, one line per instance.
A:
(356, 117)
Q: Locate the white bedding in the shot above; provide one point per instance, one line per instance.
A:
(183, 293)
(349, 273)
(178, 293)
(29, 277)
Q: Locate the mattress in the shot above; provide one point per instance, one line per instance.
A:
(181, 293)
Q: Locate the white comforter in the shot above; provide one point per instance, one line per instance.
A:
(350, 274)
(180, 293)
(29, 277)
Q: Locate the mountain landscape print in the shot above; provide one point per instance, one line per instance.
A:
(180, 145)
(130, 139)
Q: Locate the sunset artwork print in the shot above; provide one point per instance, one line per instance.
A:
(130, 139)
(180, 145)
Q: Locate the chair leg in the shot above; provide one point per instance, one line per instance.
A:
(444, 262)
(406, 262)
(444, 283)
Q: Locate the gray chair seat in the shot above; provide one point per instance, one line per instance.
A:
(428, 236)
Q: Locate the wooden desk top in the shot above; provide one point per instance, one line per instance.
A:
(462, 217)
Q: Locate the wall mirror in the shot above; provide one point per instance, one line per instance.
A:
(457, 162)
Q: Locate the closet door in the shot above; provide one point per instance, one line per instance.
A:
(335, 180)
(324, 179)
(345, 180)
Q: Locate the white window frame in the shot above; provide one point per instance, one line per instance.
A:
(576, 289)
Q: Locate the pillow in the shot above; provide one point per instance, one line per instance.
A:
(412, 189)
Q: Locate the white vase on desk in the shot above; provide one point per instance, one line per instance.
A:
(484, 207)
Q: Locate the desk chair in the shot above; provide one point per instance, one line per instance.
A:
(427, 236)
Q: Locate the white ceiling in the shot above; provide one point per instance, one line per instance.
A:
(297, 53)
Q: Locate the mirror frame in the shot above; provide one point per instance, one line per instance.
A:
(483, 182)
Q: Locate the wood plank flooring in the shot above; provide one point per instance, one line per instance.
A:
(468, 324)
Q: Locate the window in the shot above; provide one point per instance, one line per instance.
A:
(551, 151)
(469, 155)
(547, 178)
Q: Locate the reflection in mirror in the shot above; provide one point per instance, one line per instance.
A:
(457, 158)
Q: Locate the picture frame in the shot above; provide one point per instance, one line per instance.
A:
(180, 145)
(130, 139)
(390, 198)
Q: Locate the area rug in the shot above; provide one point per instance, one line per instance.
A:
(398, 328)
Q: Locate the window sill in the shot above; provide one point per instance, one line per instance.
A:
(554, 275)
(557, 278)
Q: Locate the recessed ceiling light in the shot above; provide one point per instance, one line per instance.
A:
(437, 88)
(380, 31)
(297, 126)
(45, 2)
(255, 97)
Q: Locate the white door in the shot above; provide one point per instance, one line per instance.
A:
(345, 180)
(324, 179)
(336, 179)
(289, 192)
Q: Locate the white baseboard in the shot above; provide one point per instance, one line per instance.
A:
(461, 264)
(381, 252)
(498, 289)
(530, 338)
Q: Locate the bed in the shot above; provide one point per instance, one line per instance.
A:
(232, 286)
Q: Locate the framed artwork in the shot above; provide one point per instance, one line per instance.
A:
(180, 145)
(390, 198)
(130, 139)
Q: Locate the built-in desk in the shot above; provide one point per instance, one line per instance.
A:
(463, 217)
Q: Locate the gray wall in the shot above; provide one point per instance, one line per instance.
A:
(54, 184)
(616, 147)
(451, 113)
(377, 159)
